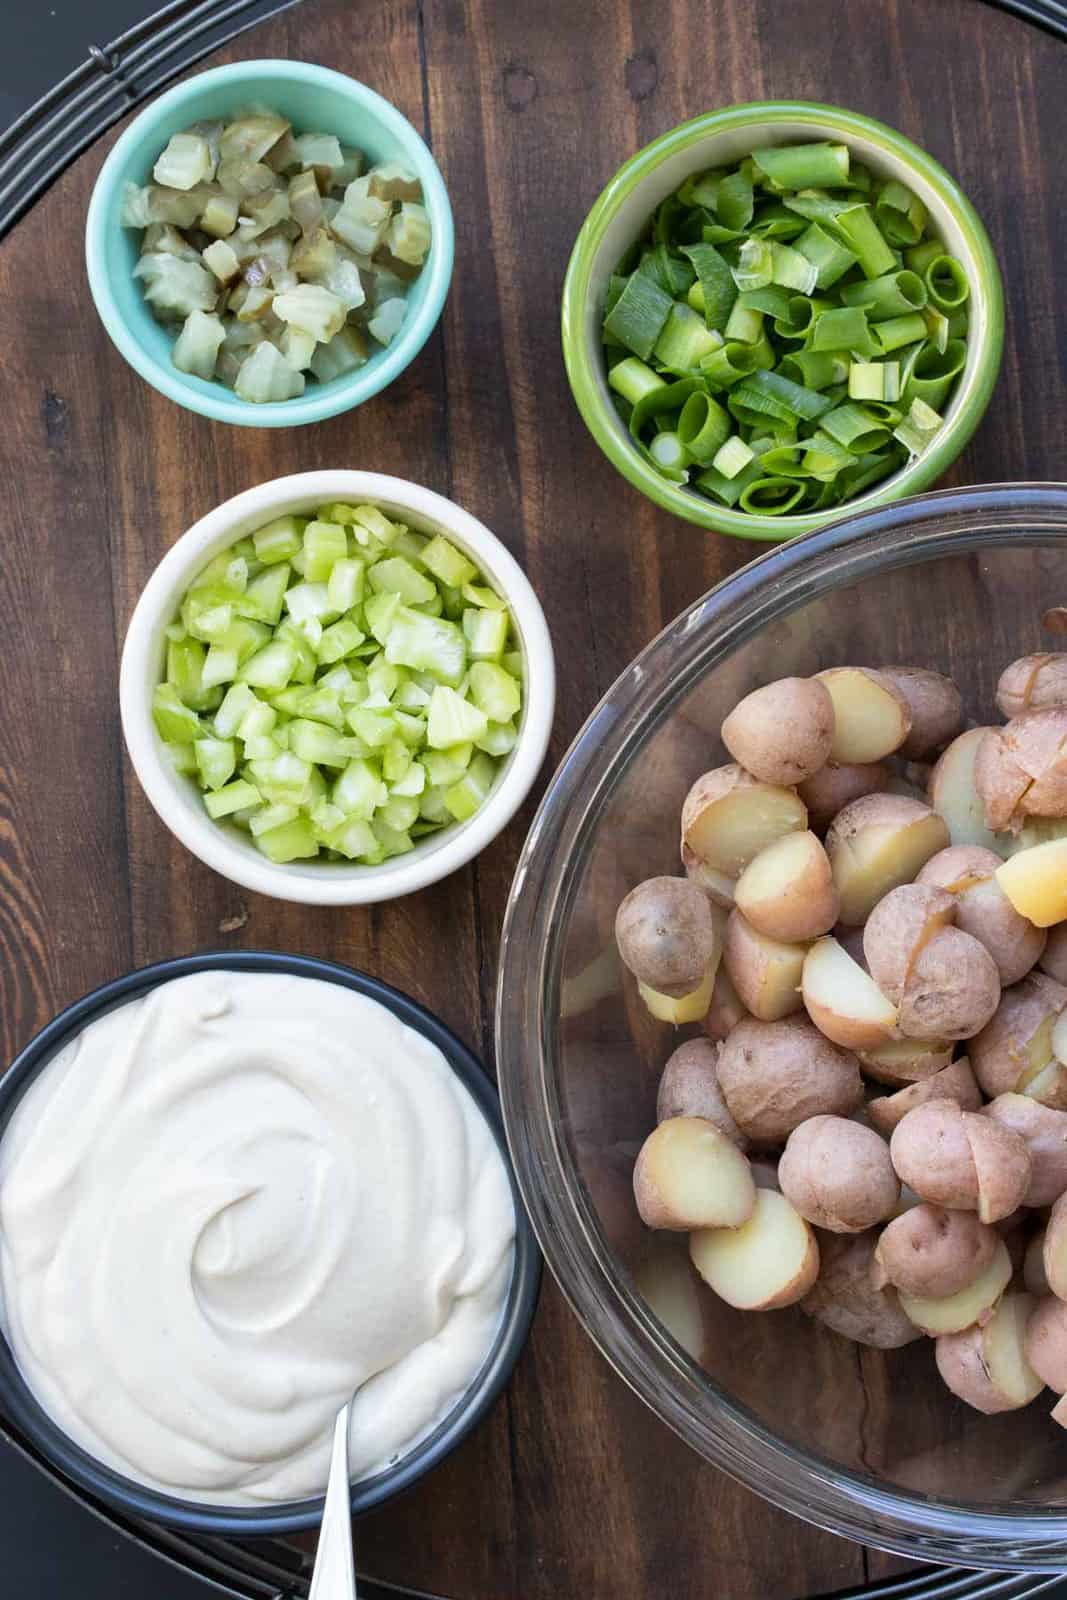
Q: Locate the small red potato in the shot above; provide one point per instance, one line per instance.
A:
(725, 1010)
(954, 1082)
(838, 1174)
(1035, 881)
(931, 1252)
(961, 1160)
(903, 1061)
(690, 1175)
(765, 972)
(987, 1367)
(1054, 1254)
(1016, 1044)
(1021, 769)
(974, 1304)
(787, 892)
(953, 794)
(771, 1260)
(984, 911)
(902, 922)
(847, 1298)
(1045, 1133)
(666, 936)
(689, 1087)
(728, 817)
(952, 991)
(782, 733)
(871, 716)
(876, 844)
(1054, 957)
(1034, 1266)
(935, 708)
(835, 786)
(1046, 1342)
(1032, 683)
(842, 1000)
(775, 1075)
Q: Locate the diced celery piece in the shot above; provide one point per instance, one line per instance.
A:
(310, 629)
(206, 621)
(293, 841)
(427, 643)
(444, 767)
(225, 578)
(220, 666)
(359, 791)
(478, 594)
(494, 691)
(286, 778)
(464, 798)
(398, 812)
(411, 696)
(305, 600)
(432, 807)
(324, 544)
(434, 607)
(257, 721)
(232, 797)
(245, 637)
(236, 704)
(272, 816)
(297, 636)
(197, 346)
(272, 667)
(374, 727)
(290, 702)
(486, 633)
(410, 728)
(339, 640)
(448, 565)
(185, 671)
(265, 596)
(393, 841)
(368, 520)
(345, 585)
(413, 782)
(216, 761)
(326, 818)
(383, 678)
(406, 542)
(176, 722)
(356, 839)
(262, 748)
(338, 678)
(176, 632)
(314, 742)
(396, 575)
(452, 603)
(182, 757)
(381, 611)
(322, 704)
(279, 540)
(498, 739)
(396, 761)
(452, 720)
(512, 661)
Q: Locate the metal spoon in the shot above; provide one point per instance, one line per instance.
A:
(334, 1577)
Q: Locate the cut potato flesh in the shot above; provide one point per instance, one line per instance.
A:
(1049, 1086)
(771, 1261)
(1035, 881)
(692, 1007)
(665, 1279)
(1054, 1254)
(955, 1312)
(1059, 1037)
(1002, 1346)
(765, 972)
(731, 832)
(842, 1000)
(871, 718)
(880, 858)
(788, 892)
(690, 1175)
(955, 798)
(901, 1061)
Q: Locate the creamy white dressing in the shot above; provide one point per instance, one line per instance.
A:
(228, 1205)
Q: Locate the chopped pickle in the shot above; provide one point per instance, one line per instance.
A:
(321, 701)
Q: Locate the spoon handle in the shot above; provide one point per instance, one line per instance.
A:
(334, 1577)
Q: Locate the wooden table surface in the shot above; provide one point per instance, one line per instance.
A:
(570, 1488)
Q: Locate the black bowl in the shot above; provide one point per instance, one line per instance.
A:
(17, 1401)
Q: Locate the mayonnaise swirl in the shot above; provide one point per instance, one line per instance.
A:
(228, 1205)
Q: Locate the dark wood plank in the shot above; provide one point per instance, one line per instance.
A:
(570, 1487)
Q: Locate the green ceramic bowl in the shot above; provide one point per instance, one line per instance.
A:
(314, 99)
(721, 138)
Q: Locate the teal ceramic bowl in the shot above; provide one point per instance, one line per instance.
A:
(314, 99)
(721, 138)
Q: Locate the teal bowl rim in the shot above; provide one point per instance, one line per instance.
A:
(320, 402)
(599, 419)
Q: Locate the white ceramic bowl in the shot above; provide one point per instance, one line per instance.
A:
(176, 798)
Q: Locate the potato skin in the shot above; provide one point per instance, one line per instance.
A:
(1045, 1342)
(1054, 1254)
(775, 1075)
(931, 1252)
(1021, 770)
(662, 1145)
(1031, 683)
(749, 958)
(966, 1363)
(877, 818)
(953, 988)
(1045, 1134)
(846, 1298)
(1002, 1168)
(1000, 1052)
(954, 1082)
(666, 936)
(999, 782)
(897, 929)
(838, 1174)
(804, 904)
(983, 909)
(936, 709)
(1053, 960)
(835, 786)
(932, 1155)
(726, 1009)
(899, 1062)
(689, 1087)
(782, 732)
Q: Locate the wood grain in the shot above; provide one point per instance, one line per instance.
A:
(570, 1487)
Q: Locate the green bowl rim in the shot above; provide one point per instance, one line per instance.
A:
(910, 479)
(344, 393)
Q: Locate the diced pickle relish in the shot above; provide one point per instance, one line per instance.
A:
(339, 686)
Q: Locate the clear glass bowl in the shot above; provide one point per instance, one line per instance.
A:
(864, 1443)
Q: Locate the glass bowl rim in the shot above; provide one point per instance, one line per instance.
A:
(626, 1332)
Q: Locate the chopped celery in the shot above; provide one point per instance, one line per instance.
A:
(272, 667)
(359, 791)
(380, 612)
(395, 575)
(452, 720)
(220, 665)
(413, 782)
(232, 797)
(432, 807)
(398, 812)
(293, 841)
(185, 671)
(370, 521)
(216, 760)
(182, 758)
(396, 762)
(272, 816)
(306, 600)
(257, 721)
(279, 540)
(314, 742)
(263, 748)
(356, 839)
(427, 643)
(393, 841)
(512, 661)
(466, 796)
(344, 588)
(486, 633)
(176, 722)
(499, 739)
(375, 727)
(263, 600)
(339, 640)
(447, 564)
(447, 766)
(493, 691)
(325, 543)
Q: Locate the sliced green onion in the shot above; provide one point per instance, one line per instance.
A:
(937, 327)
(896, 332)
(804, 166)
(946, 283)
(815, 369)
(718, 291)
(730, 364)
(849, 425)
(844, 328)
(900, 214)
(702, 427)
(685, 339)
(636, 320)
(669, 453)
(744, 324)
(830, 258)
(918, 427)
(857, 227)
(633, 380)
(935, 372)
(768, 394)
(733, 456)
(893, 295)
(755, 265)
(792, 268)
(799, 317)
(733, 201)
(771, 497)
(874, 380)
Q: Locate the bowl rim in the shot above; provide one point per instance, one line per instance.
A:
(321, 402)
(354, 885)
(124, 1494)
(614, 1315)
(581, 365)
